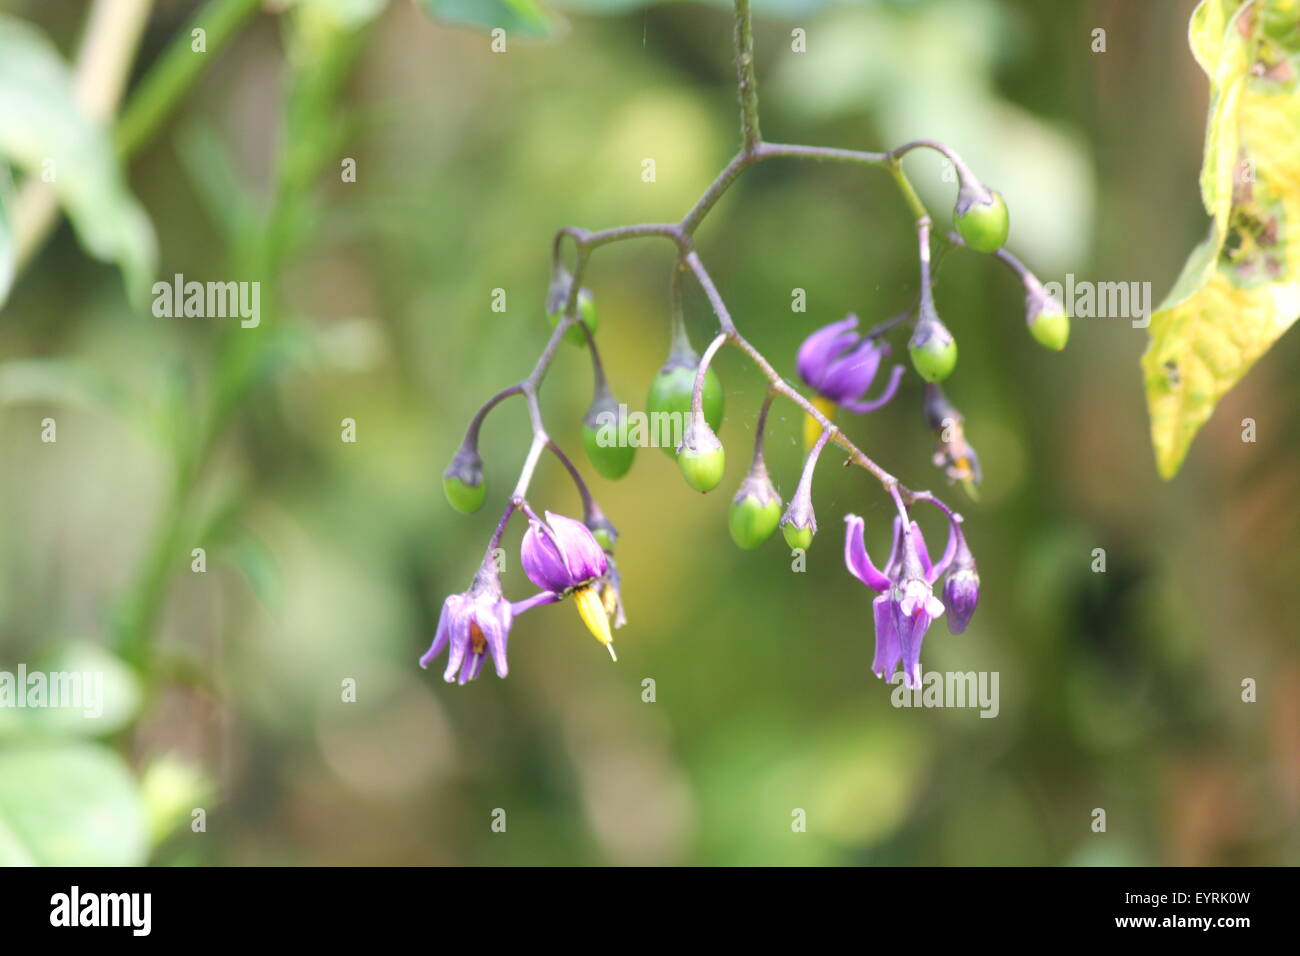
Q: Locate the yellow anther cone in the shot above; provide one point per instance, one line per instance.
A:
(812, 429)
(592, 611)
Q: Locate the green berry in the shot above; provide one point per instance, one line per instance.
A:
(752, 522)
(799, 539)
(984, 225)
(702, 468)
(608, 449)
(670, 394)
(935, 358)
(462, 496)
(1051, 326)
(586, 312)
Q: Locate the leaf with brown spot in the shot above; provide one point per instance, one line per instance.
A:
(1240, 288)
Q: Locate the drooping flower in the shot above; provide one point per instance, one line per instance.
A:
(906, 605)
(562, 556)
(473, 625)
(840, 364)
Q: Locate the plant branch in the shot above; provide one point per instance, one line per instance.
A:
(753, 150)
(745, 80)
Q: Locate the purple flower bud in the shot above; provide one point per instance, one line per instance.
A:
(961, 588)
(840, 365)
(561, 554)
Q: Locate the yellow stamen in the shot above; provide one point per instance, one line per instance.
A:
(592, 612)
(812, 429)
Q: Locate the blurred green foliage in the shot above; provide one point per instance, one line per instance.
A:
(327, 562)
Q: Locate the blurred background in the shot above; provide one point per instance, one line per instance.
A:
(327, 562)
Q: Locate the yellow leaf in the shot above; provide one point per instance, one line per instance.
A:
(1240, 289)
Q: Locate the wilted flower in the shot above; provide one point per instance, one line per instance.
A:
(906, 605)
(952, 452)
(562, 556)
(474, 624)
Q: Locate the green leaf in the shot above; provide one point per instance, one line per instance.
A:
(517, 17)
(72, 804)
(1240, 289)
(45, 133)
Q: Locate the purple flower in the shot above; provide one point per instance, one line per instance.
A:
(474, 624)
(840, 365)
(906, 604)
(961, 588)
(562, 556)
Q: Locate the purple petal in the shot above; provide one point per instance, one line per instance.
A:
(459, 648)
(922, 552)
(440, 636)
(891, 566)
(470, 668)
(849, 376)
(865, 406)
(888, 652)
(496, 629)
(538, 599)
(581, 550)
(542, 560)
(949, 551)
(823, 347)
(856, 558)
(909, 640)
(961, 593)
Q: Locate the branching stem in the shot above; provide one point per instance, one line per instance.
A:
(752, 151)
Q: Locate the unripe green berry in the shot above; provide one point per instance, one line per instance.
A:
(752, 521)
(462, 496)
(982, 224)
(934, 358)
(605, 438)
(799, 539)
(463, 482)
(670, 394)
(702, 468)
(1048, 322)
(586, 313)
